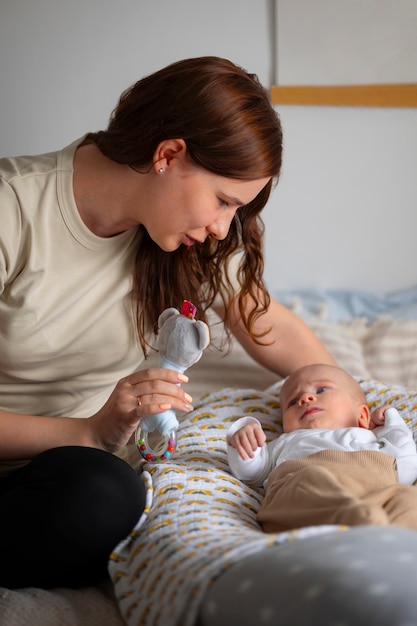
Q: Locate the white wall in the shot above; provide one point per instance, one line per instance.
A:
(333, 42)
(63, 65)
(344, 213)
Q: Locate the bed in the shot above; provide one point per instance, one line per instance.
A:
(187, 561)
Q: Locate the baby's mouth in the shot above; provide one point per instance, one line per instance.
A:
(310, 411)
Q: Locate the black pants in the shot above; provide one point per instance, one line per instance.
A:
(61, 516)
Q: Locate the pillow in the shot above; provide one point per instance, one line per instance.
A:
(385, 350)
(390, 351)
(345, 342)
(199, 519)
(337, 305)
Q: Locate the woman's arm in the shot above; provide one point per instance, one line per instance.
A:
(24, 436)
(290, 342)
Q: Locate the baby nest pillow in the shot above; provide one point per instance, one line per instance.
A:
(199, 519)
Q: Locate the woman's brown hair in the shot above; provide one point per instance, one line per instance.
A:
(231, 129)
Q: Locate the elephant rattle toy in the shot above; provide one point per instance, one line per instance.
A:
(182, 340)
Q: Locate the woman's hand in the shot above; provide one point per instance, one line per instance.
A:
(247, 439)
(138, 395)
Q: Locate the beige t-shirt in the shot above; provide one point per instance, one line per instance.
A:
(66, 324)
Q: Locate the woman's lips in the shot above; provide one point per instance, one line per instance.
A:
(188, 241)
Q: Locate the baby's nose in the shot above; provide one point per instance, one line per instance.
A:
(307, 396)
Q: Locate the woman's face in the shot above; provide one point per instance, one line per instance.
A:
(188, 204)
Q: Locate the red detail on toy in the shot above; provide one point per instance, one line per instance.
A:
(188, 309)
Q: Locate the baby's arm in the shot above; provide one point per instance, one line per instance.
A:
(398, 442)
(247, 439)
(247, 455)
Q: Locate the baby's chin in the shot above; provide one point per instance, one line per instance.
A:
(315, 422)
(312, 420)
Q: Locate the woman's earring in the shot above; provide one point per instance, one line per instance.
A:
(162, 170)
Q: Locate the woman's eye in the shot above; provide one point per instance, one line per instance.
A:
(223, 202)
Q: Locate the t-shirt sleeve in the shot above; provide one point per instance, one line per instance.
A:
(10, 232)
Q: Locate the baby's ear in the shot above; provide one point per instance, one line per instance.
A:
(364, 416)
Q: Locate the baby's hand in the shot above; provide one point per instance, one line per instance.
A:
(378, 416)
(247, 439)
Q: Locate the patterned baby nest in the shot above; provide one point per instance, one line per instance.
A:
(199, 520)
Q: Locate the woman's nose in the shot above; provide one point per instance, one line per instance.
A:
(220, 228)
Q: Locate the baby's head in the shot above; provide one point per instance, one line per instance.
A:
(322, 396)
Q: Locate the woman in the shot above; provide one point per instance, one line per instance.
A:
(97, 239)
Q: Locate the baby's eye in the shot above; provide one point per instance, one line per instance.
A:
(292, 402)
(321, 390)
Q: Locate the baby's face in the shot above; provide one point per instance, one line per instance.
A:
(321, 396)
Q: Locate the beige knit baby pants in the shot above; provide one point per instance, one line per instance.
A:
(335, 487)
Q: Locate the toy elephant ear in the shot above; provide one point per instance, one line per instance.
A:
(165, 315)
(203, 335)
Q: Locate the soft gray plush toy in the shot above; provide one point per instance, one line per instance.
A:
(182, 340)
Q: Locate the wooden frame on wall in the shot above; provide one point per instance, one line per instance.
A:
(388, 95)
(359, 53)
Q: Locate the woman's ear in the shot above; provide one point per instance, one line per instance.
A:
(364, 416)
(166, 152)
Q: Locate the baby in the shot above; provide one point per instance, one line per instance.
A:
(333, 464)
